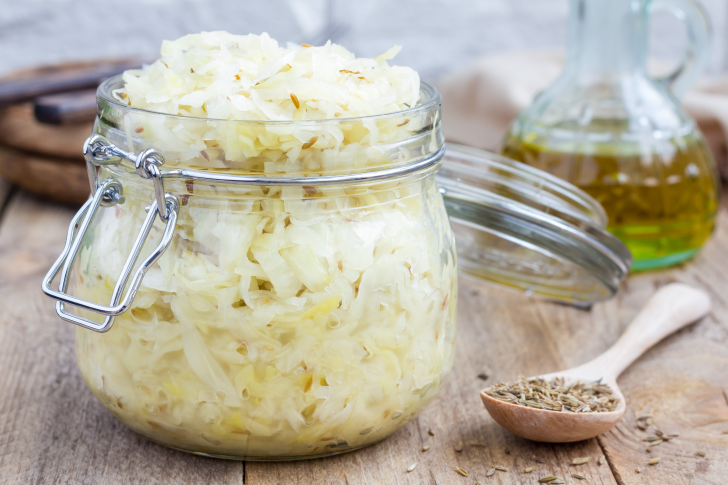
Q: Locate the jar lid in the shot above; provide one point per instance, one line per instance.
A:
(520, 227)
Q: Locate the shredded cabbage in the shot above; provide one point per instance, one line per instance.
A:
(282, 321)
(269, 334)
(300, 110)
(249, 77)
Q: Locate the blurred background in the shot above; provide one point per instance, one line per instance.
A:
(437, 35)
(488, 58)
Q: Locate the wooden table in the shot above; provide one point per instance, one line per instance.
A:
(52, 430)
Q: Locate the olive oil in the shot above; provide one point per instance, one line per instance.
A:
(661, 199)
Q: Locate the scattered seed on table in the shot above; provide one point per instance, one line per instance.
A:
(644, 422)
(412, 467)
(500, 468)
(701, 453)
(637, 470)
(558, 481)
(547, 479)
(577, 476)
(425, 448)
(478, 483)
(581, 461)
(490, 472)
(459, 446)
(430, 432)
(529, 469)
(654, 461)
(602, 460)
(483, 377)
(461, 471)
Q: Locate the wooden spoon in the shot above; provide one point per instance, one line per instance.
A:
(671, 308)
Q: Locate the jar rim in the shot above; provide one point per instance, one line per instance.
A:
(433, 99)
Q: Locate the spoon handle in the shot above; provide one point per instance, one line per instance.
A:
(671, 308)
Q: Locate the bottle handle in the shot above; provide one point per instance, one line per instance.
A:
(697, 53)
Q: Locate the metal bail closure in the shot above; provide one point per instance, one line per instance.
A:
(109, 193)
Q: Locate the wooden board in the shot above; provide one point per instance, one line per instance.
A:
(20, 130)
(57, 179)
(52, 430)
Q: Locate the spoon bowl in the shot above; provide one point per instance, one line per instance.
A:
(553, 426)
(671, 308)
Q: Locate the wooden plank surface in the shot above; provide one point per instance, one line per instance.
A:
(52, 430)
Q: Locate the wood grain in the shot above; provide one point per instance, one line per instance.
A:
(19, 129)
(52, 430)
(58, 179)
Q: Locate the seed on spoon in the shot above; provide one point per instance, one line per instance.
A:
(555, 395)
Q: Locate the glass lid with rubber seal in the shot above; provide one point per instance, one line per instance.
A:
(522, 228)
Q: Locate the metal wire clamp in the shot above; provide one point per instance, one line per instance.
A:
(98, 151)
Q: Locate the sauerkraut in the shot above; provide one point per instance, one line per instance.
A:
(249, 77)
(283, 321)
(302, 110)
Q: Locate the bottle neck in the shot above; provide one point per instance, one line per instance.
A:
(607, 40)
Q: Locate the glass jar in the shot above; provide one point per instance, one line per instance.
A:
(295, 295)
(609, 128)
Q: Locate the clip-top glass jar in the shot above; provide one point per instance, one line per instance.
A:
(286, 290)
